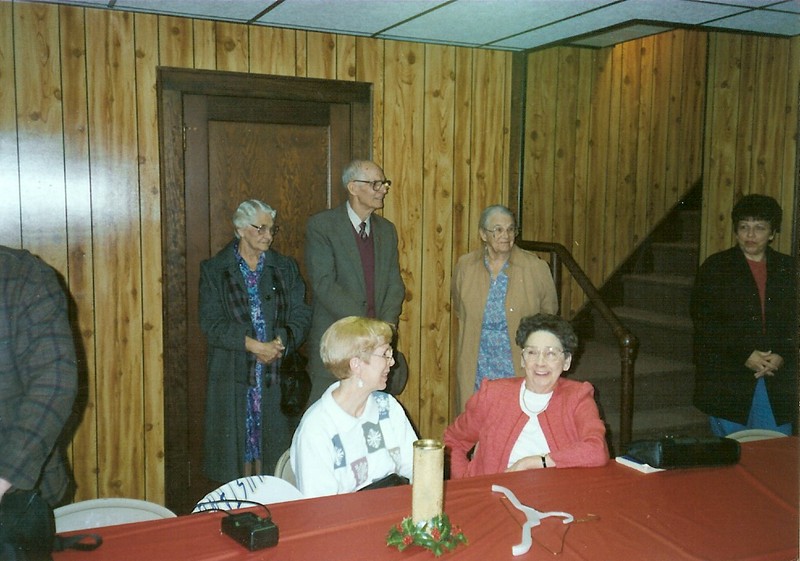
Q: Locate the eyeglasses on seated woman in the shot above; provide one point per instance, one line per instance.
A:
(539, 421)
(355, 434)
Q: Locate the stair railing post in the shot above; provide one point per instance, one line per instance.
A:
(627, 352)
(628, 343)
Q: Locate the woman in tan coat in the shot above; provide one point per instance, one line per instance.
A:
(493, 288)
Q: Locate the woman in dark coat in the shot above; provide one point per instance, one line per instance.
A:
(253, 313)
(744, 311)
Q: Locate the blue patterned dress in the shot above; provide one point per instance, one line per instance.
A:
(252, 449)
(494, 351)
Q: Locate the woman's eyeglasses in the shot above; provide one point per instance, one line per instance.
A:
(550, 354)
(263, 229)
(498, 231)
(388, 355)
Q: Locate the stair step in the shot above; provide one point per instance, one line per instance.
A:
(660, 334)
(675, 257)
(666, 293)
(690, 225)
(601, 360)
(658, 381)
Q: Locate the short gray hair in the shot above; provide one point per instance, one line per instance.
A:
(489, 210)
(351, 170)
(246, 213)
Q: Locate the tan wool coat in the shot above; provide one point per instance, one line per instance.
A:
(530, 290)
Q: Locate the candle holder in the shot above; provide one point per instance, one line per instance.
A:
(428, 485)
(427, 526)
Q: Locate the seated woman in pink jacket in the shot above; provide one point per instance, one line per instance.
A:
(543, 421)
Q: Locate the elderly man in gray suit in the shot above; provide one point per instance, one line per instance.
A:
(352, 261)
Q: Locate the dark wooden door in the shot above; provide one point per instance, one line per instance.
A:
(280, 145)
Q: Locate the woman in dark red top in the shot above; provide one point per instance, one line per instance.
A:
(744, 311)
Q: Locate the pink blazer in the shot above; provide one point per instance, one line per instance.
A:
(493, 419)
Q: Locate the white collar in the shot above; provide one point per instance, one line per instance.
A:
(355, 220)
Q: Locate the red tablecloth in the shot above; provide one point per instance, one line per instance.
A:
(744, 512)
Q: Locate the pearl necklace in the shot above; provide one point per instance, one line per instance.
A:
(530, 411)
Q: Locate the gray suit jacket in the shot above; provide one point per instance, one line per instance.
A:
(337, 279)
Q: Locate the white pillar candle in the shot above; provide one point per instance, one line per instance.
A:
(428, 485)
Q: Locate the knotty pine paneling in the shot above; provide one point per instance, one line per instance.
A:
(404, 104)
(81, 282)
(150, 217)
(597, 150)
(751, 136)
(100, 224)
(41, 153)
(437, 212)
(10, 221)
(116, 237)
(441, 119)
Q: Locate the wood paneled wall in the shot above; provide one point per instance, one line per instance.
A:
(613, 138)
(80, 186)
(752, 119)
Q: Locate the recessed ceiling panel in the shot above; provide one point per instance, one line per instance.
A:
(743, 3)
(763, 21)
(675, 12)
(620, 35)
(787, 6)
(496, 24)
(358, 17)
(240, 10)
(481, 22)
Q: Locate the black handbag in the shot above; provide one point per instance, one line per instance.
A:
(681, 452)
(295, 384)
(28, 529)
(391, 480)
(292, 373)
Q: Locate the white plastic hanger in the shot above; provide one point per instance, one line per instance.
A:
(533, 516)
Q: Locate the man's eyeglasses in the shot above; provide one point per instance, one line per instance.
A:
(498, 231)
(551, 354)
(263, 229)
(376, 185)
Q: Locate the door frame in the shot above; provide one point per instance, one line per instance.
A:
(172, 84)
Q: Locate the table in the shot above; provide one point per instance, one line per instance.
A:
(745, 512)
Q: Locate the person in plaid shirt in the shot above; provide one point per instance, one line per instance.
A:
(38, 375)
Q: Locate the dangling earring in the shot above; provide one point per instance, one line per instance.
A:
(360, 383)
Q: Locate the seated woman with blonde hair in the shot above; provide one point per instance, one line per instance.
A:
(541, 421)
(355, 434)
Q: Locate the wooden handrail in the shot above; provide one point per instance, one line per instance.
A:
(628, 343)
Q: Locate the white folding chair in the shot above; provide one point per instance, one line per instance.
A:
(95, 513)
(748, 435)
(283, 469)
(243, 492)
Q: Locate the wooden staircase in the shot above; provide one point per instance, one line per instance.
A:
(651, 298)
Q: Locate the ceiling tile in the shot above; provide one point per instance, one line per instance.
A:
(497, 24)
(619, 36)
(763, 21)
(240, 10)
(358, 17)
(788, 6)
(682, 12)
(481, 22)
